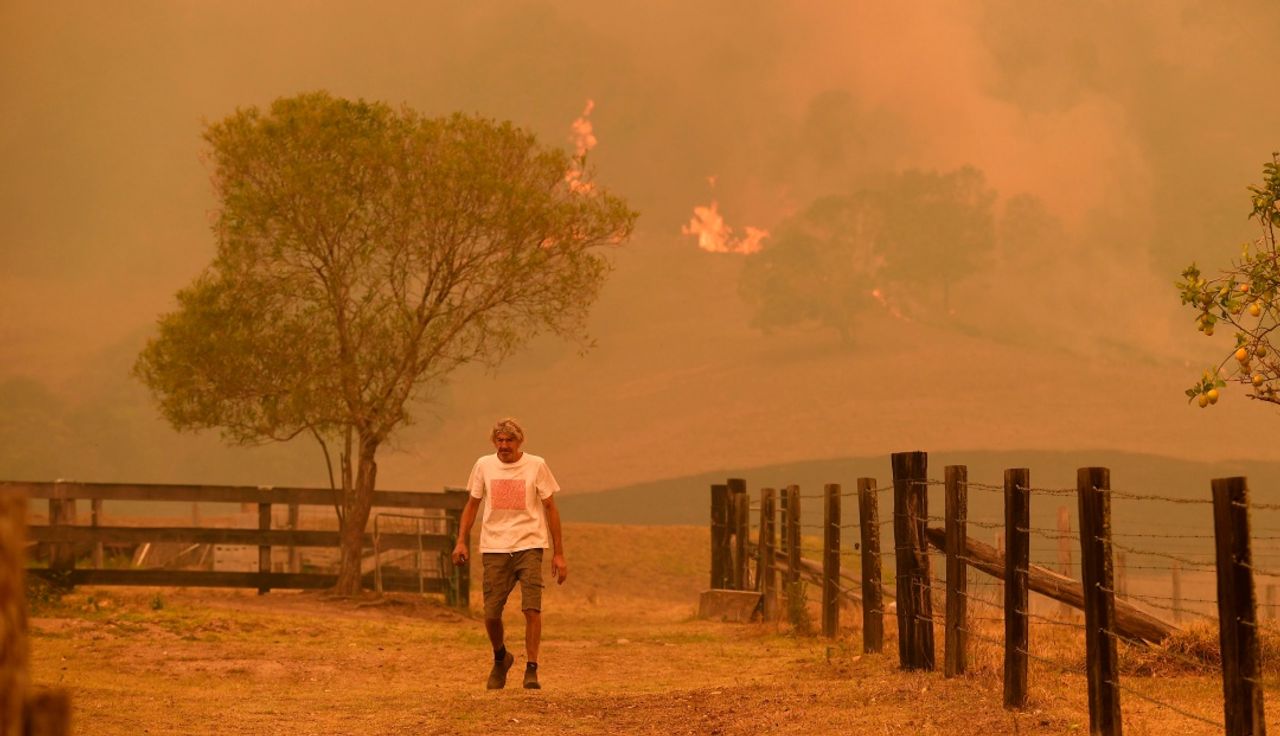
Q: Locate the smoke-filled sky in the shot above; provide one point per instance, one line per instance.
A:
(1133, 127)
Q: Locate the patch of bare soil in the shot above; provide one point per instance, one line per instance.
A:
(629, 658)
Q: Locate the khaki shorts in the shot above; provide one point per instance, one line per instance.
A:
(501, 572)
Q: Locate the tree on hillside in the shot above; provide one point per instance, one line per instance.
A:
(1246, 297)
(363, 253)
(843, 254)
(819, 268)
(938, 228)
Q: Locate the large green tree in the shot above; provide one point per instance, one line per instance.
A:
(363, 253)
(1246, 299)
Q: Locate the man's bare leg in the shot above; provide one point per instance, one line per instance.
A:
(532, 637)
(532, 633)
(496, 633)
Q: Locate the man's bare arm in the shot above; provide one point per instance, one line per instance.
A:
(559, 569)
(464, 529)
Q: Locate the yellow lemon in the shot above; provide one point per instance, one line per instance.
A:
(1213, 395)
(1203, 401)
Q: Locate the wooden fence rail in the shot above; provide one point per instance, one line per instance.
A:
(64, 537)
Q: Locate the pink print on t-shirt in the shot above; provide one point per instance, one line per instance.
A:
(508, 493)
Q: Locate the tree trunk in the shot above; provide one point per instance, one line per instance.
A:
(357, 500)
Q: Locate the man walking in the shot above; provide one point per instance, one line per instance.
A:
(520, 521)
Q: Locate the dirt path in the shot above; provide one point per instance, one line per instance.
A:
(217, 662)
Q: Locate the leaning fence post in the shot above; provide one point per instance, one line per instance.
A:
(741, 527)
(872, 599)
(915, 603)
(1017, 561)
(1237, 609)
(831, 560)
(955, 661)
(1093, 487)
(720, 534)
(768, 579)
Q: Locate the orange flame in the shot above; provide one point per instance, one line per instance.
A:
(878, 295)
(584, 139)
(715, 235)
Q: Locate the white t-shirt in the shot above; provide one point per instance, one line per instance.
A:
(514, 518)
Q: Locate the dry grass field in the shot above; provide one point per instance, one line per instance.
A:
(623, 654)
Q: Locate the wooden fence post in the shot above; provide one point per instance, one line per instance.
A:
(915, 600)
(264, 551)
(1093, 487)
(767, 575)
(1017, 561)
(460, 574)
(62, 512)
(1237, 609)
(719, 533)
(831, 560)
(741, 507)
(872, 599)
(955, 660)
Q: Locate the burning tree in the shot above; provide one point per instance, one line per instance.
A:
(1246, 297)
(363, 253)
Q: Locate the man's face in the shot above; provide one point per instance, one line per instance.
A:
(508, 447)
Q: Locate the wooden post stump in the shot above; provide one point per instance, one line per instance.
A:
(1093, 486)
(872, 598)
(955, 660)
(1237, 610)
(1017, 525)
(768, 535)
(831, 560)
(915, 600)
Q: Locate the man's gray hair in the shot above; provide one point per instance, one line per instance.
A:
(507, 425)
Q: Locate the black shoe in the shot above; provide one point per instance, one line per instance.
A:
(498, 675)
(531, 679)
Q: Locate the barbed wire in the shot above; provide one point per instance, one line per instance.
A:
(1047, 533)
(1258, 570)
(1071, 670)
(1163, 704)
(1165, 536)
(1049, 491)
(1151, 497)
(1176, 558)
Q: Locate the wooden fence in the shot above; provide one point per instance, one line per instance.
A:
(67, 541)
(1110, 619)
